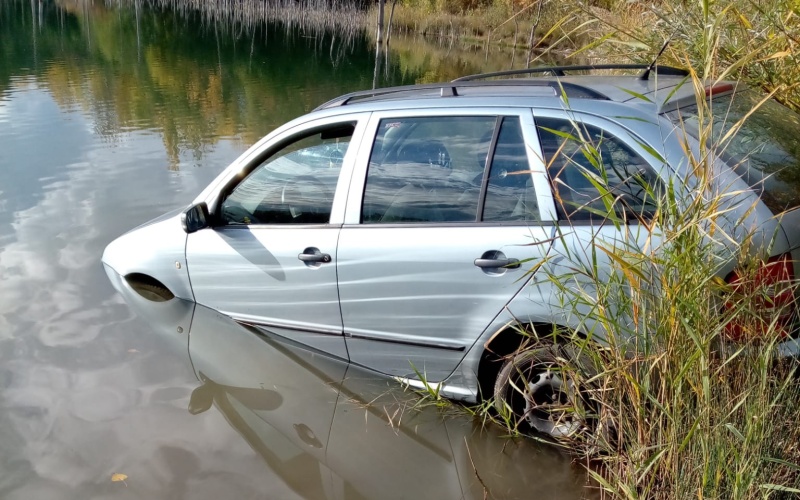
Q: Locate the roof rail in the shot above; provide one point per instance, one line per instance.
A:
(451, 90)
(560, 71)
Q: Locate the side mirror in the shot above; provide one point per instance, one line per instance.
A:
(195, 218)
(202, 398)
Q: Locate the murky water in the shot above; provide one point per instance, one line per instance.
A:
(109, 118)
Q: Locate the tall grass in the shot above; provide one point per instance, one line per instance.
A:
(757, 38)
(681, 393)
(678, 411)
(347, 17)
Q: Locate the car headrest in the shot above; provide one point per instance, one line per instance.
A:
(430, 152)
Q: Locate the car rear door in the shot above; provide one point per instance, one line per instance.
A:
(442, 225)
(583, 151)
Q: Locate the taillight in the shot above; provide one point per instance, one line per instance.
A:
(718, 89)
(769, 291)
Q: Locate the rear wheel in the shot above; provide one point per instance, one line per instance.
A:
(544, 389)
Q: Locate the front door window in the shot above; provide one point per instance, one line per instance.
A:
(293, 185)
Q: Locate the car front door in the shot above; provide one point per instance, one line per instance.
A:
(270, 257)
(444, 226)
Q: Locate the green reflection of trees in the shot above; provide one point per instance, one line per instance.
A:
(426, 61)
(193, 82)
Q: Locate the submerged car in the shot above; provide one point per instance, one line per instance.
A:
(397, 228)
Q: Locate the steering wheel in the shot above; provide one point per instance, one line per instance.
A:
(431, 152)
(335, 158)
(294, 192)
(234, 213)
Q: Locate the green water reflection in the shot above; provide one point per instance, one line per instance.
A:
(168, 73)
(196, 82)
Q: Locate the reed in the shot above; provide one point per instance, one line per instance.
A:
(341, 16)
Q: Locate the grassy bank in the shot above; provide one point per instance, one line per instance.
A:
(768, 31)
(758, 39)
(754, 41)
(492, 23)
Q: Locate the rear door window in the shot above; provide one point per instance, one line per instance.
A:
(449, 169)
(427, 169)
(595, 174)
(764, 152)
(509, 194)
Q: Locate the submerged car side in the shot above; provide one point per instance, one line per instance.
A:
(399, 233)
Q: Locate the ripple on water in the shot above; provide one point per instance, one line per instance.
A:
(100, 404)
(71, 328)
(167, 394)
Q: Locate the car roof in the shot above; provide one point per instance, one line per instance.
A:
(655, 88)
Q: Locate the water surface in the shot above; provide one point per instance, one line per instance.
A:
(109, 118)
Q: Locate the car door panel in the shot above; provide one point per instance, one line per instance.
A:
(254, 275)
(269, 260)
(413, 299)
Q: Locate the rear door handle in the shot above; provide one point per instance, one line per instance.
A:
(313, 255)
(497, 263)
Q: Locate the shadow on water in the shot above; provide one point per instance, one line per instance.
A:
(330, 430)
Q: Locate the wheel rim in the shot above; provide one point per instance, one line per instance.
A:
(549, 401)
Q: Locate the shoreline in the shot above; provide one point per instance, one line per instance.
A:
(479, 27)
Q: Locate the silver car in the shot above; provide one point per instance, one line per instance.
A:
(395, 228)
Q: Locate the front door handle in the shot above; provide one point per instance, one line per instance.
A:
(312, 255)
(497, 263)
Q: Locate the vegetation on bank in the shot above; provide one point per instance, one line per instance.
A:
(758, 38)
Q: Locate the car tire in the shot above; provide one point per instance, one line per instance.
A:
(544, 389)
(152, 292)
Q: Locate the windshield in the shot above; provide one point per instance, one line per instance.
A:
(765, 152)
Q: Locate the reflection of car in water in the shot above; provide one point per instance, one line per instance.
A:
(331, 431)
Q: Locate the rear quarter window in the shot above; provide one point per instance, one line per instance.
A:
(628, 184)
(764, 152)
